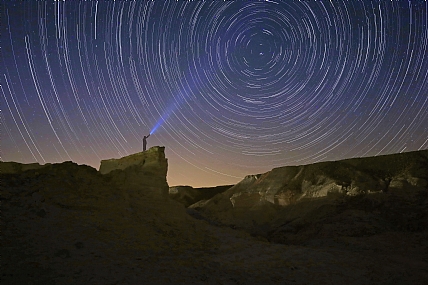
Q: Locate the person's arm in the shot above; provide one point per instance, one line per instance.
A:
(148, 136)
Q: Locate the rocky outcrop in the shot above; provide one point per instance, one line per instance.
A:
(143, 172)
(15, 167)
(188, 195)
(150, 161)
(302, 196)
(65, 215)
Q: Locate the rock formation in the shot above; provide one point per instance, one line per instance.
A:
(285, 201)
(355, 221)
(150, 161)
(144, 172)
(14, 167)
(60, 217)
(187, 195)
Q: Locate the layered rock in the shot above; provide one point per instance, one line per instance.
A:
(299, 196)
(144, 172)
(150, 161)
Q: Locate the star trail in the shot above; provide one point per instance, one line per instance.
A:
(230, 88)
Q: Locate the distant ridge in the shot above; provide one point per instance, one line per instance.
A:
(296, 192)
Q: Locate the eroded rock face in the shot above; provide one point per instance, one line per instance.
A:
(150, 161)
(65, 215)
(269, 198)
(144, 172)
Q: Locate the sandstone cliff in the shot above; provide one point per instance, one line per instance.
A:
(287, 203)
(151, 161)
(144, 172)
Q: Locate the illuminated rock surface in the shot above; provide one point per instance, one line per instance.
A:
(151, 161)
(69, 224)
(308, 193)
(144, 171)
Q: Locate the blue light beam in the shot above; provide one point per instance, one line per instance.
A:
(171, 108)
(163, 118)
(186, 94)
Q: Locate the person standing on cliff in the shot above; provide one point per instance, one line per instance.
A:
(145, 142)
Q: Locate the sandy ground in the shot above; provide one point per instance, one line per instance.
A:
(40, 248)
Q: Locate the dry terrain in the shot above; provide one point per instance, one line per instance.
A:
(349, 222)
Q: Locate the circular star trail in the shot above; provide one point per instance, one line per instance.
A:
(231, 88)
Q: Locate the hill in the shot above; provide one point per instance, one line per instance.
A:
(355, 221)
(300, 204)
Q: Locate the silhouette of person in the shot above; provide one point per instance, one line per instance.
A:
(145, 142)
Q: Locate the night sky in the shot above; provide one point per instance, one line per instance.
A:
(230, 88)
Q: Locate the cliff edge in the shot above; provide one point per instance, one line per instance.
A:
(64, 215)
(152, 160)
(145, 171)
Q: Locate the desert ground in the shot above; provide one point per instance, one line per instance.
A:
(360, 221)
